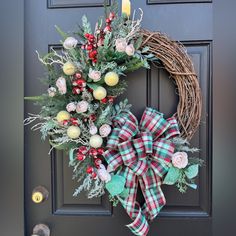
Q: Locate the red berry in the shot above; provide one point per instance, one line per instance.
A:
(74, 83)
(93, 152)
(108, 20)
(89, 47)
(81, 83)
(104, 100)
(76, 90)
(65, 122)
(95, 60)
(74, 121)
(80, 156)
(90, 90)
(92, 117)
(87, 35)
(100, 151)
(112, 15)
(107, 29)
(83, 149)
(93, 54)
(111, 99)
(98, 162)
(77, 75)
(94, 175)
(89, 170)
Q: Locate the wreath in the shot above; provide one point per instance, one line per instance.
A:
(108, 148)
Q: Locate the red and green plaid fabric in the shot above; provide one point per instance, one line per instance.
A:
(143, 151)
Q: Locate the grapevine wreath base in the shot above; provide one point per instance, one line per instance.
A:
(108, 148)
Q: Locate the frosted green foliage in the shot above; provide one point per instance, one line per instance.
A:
(105, 116)
(46, 127)
(97, 189)
(86, 96)
(84, 186)
(117, 90)
(123, 106)
(110, 66)
(86, 25)
(182, 145)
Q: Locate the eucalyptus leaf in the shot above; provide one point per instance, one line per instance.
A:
(192, 171)
(193, 186)
(124, 194)
(145, 49)
(138, 43)
(116, 186)
(172, 176)
(93, 85)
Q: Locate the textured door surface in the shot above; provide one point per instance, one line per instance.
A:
(189, 21)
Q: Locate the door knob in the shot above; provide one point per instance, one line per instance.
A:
(40, 194)
(41, 230)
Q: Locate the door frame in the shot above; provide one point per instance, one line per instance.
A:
(12, 105)
(12, 161)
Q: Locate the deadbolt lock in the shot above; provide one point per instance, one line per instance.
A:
(40, 194)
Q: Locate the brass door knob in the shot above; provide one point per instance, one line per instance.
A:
(40, 194)
(41, 230)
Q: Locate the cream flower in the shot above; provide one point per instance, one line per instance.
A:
(71, 107)
(103, 174)
(121, 45)
(105, 130)
(52, 92)
(61, 85)
(130, 50)
(180, 160)
(82, 107)
(95, 75)
(70, 43)
(93, 130)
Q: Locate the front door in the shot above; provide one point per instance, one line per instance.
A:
(188, 21)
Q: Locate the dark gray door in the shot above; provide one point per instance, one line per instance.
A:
(188, 21)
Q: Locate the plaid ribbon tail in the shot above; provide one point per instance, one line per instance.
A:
(140, 225)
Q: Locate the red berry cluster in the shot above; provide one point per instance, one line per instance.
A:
(93, 42)
(108, 22)
(91, 47)
(71, 121)
(107, 99)
(81, 155)
(78, 83)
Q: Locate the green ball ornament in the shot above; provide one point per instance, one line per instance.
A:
(62, 115)
(111, 79)
(73, 132)
(69, 68)
(96, 141)
(99, 93)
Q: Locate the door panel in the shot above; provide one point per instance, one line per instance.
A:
(184, 214)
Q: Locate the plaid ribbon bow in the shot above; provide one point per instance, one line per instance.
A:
(144, 152)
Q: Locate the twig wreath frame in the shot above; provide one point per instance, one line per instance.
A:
(178, 64)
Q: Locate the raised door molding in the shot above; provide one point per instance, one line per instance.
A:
(176, 1)
(75, 3)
